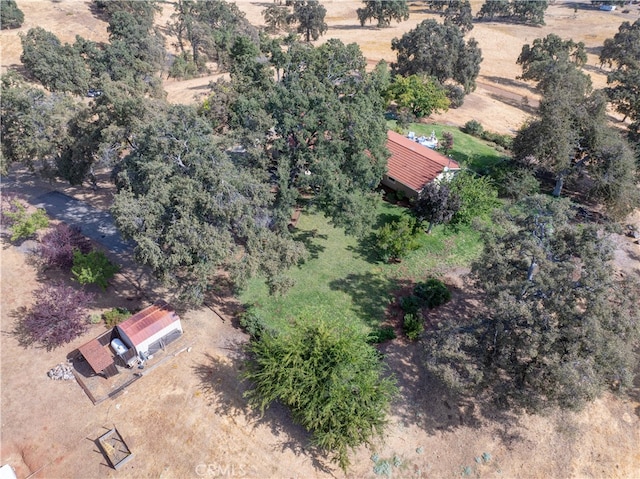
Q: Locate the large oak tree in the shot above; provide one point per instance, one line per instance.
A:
(440, 51)
(558, 326)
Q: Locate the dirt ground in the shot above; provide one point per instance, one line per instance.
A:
(188, 418)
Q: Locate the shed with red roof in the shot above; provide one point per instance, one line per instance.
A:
(412, 165)
(151, 329)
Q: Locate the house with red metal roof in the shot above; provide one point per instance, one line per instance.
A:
(151, 329)
(412, 165)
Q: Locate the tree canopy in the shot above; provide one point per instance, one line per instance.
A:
(421, 94)
(559, 327)
(208, 29)
(309, 17)
(330, 133)
(34, 125)
(570, 136)
(549, 59)
(383, 11)
(56, 66)
(622, 52)
(436, 204)
(191, 211)
(330, 378)
(440, 51)
(519, 11)
(10, 15)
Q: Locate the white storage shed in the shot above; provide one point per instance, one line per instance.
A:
(151, 329)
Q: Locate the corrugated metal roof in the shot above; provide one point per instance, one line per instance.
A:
(141, 326)
(96, 355)
(413, 164)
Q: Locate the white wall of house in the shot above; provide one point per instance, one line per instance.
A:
(143, 347)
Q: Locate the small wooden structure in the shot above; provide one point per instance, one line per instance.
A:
(115, 449)
(99, 356)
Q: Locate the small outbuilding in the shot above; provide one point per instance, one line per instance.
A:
(151, 329)
(412, 165)
(96, 352)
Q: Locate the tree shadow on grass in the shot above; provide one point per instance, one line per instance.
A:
(369, 293)
(312, 242)
(367, 246)
(224, 389)
(424, 400)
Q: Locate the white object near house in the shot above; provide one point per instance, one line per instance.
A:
(151, 329)
(7, 472)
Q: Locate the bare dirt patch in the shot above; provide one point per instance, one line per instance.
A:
(188, 417)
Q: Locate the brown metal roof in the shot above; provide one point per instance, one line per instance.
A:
(149, 321)
(96, 355)
(413, 164)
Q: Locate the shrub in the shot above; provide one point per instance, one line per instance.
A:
(183, 67)
(8, 204)
(517, 183)
(413, 326)
(58, 245)
(115, 316)
(93, 267)
(335, 383)
(396, 239)
(380, 335)
(432, 292)
(252, 323)
(505, 141)
(24, 225)
(57, 316)
(455, 94)
(473, 127)
(410, 304)
(10, 15)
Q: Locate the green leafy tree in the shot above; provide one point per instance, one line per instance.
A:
(494, 8)
(309, 17)
(383, 11)
(276, 17)
(93, 268)
(436, 204)
(330, 134)
(10, 15)
(421, 94)
(530, 12)
(459, 13)
(191, 211)
(570, 138)
(56, 66)
(330, 378)
(559, 326)
(34, 125)
(440, 51)
(23, 224)
(622, 52)
(209, 29)
(478, 197)
(548, 60)
(397, 239)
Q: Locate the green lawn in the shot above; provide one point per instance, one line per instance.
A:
(468, 150)
(343, 279)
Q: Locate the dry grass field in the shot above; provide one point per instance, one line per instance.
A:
(187, 418)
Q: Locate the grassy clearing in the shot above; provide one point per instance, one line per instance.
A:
(467, 150)
(343, 279)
